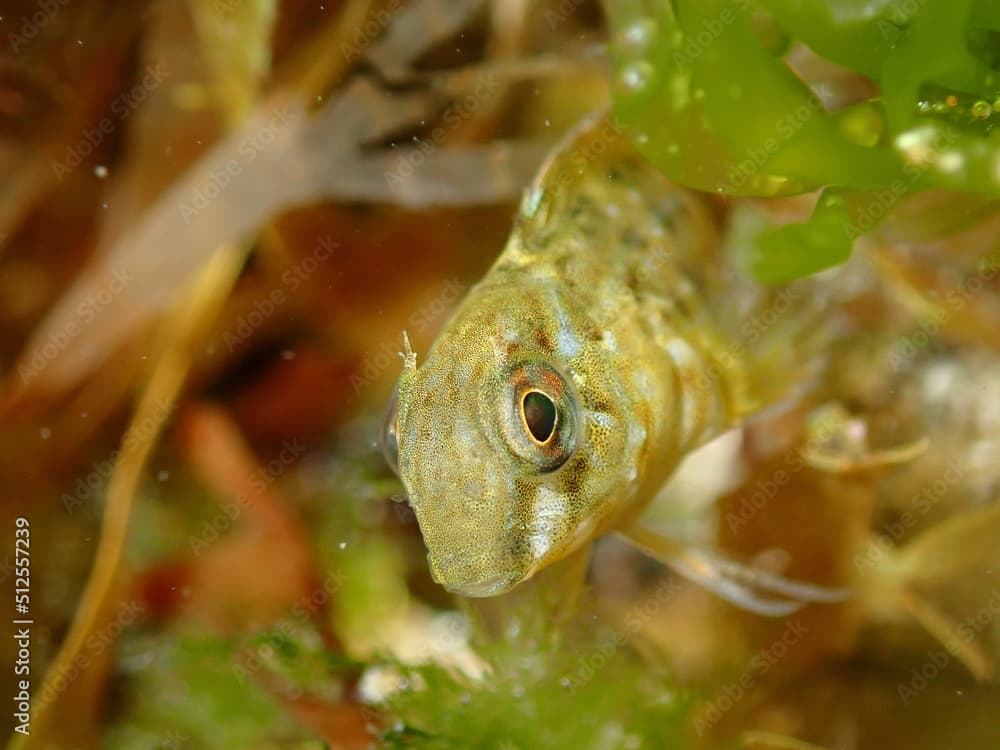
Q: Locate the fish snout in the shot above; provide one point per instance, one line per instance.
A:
(473, 564)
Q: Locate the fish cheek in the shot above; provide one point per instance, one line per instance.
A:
(518, 544)
(572, 479)
(605, 470)
(519, 549)
(572, 485)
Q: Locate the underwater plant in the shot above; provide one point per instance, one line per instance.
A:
(745, 314)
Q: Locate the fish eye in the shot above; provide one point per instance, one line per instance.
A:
(389, 437)
(539, 416)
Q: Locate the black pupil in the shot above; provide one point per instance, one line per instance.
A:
(539, 415)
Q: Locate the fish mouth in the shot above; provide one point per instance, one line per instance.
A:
(489, 587)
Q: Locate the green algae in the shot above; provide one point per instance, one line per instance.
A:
(543, 689)
(705, 91)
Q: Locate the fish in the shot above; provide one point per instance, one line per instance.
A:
(574, 377)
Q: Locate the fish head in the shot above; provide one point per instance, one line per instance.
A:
(512, 438)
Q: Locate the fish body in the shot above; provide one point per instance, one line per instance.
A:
(574, 376)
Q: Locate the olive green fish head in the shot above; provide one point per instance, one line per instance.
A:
(513, 438)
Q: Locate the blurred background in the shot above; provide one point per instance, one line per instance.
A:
(218, 216)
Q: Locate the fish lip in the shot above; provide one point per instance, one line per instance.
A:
(489, 587)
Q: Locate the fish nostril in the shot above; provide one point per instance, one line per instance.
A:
(389, 437)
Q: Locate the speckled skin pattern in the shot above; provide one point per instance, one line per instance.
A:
(597, 301)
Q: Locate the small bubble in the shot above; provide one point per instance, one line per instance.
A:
(915, 144)
(672, 149)
(287, 354)
(163, 475)
(951, 161)
(45, 432)
(342, 545)
(699, 94)
(639, 34)
(101, 171)
(982, 110)
(635, 77)
(642, 138)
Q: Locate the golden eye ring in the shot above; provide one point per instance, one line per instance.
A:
(539, 416)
